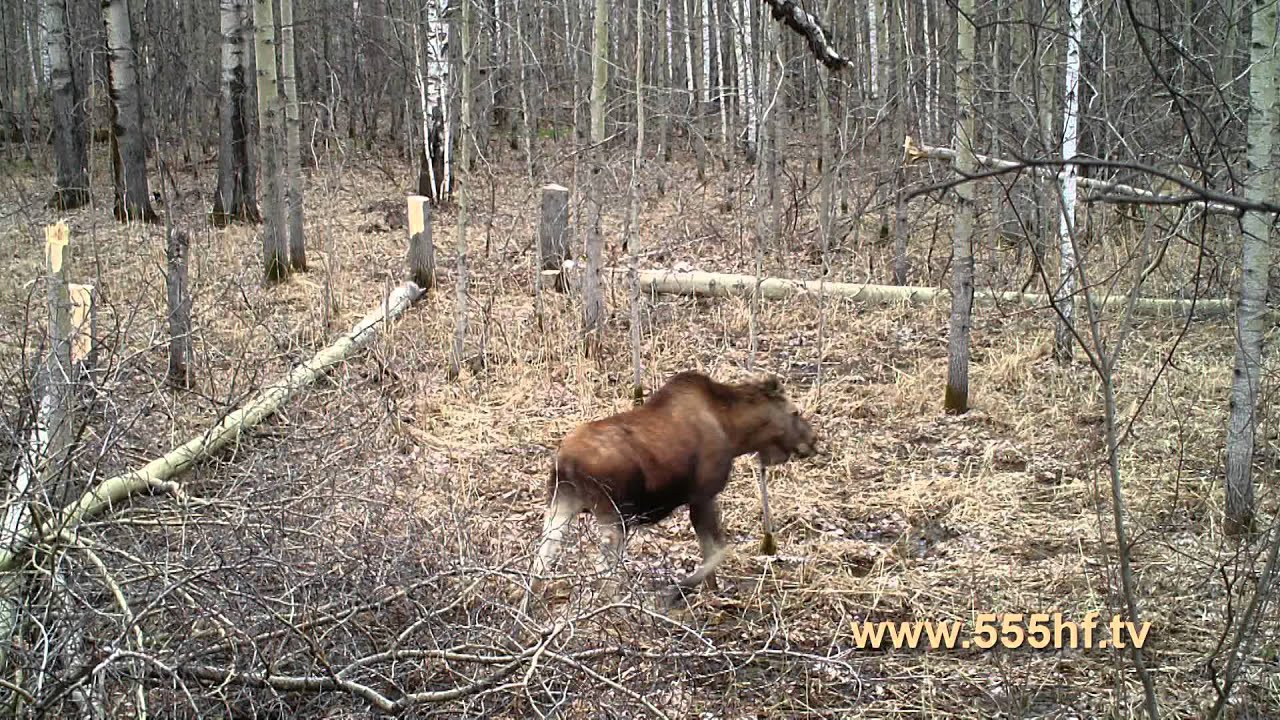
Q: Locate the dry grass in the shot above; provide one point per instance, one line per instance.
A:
(910, 515)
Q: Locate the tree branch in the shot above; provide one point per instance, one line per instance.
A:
(1209, 200)
(808, 27)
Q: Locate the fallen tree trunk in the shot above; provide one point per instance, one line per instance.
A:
(913, 152)
(157, 474)
(709, 284)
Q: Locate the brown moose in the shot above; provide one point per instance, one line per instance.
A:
(637, 467)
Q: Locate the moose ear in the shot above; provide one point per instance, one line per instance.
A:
(771, 387)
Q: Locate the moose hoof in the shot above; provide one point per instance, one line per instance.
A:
(673, 597)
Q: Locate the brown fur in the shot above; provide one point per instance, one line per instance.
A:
(639, 466)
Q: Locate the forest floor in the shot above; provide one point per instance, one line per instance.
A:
(910, 514)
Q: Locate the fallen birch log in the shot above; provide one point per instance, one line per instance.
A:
(913, 152)
(709, 284)
(157, 474)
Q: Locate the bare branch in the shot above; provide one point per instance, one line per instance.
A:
(807, 26)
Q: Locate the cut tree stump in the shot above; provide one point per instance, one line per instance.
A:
(422, 250)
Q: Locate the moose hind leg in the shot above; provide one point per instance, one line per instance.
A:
(608, 564)
(560, 513)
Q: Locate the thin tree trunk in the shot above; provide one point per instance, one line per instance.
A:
(293, 141)
(592, 297)
(69, 152)
(1065, 300)
(274, 249)
(599, 70)
(464, 198)
(707, 26)
(528, 123)
(930, 119)
(748, 109)
(873, 48)
(1046, 98)
(1256, 262)
(235, 197)
(897, 55)
(435, 173)
(633, 234)
(664, 69)
(128, 146)
(721, 100)
(957, 393)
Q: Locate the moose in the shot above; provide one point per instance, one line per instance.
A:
(637, 467)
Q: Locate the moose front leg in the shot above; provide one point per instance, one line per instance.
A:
(705, 517)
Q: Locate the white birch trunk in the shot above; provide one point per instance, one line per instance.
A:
(71, 188)
(687, 44)
(748, 102)
(133, 200)
(44, 70)
(873, 47)
(1256, 262)
(235, 197)
(1065, 300)
(275, 255)
(437, 97)
(930, 120)
(293, 140)
(705, 27)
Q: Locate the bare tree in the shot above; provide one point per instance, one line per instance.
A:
(235, 197)
(432, 80)
(293, 141)
(633, 215)
(128, 145)
(69, 131)
(957, 393)
(1066, 236)
(274, 247)
(466, 118)
(599, 70)
(1255, 264)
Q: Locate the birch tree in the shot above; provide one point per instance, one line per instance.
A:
(435, 171)
(274, 250)
(235, 197)
(873, 48)
(292, 147)
(1256, 262)
(744, 57)
(599, 70)
(128, 146)
(1065, 301)
(71, 158)
(957, 393)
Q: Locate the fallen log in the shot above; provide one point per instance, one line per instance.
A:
(157, 474)
(709, 284)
